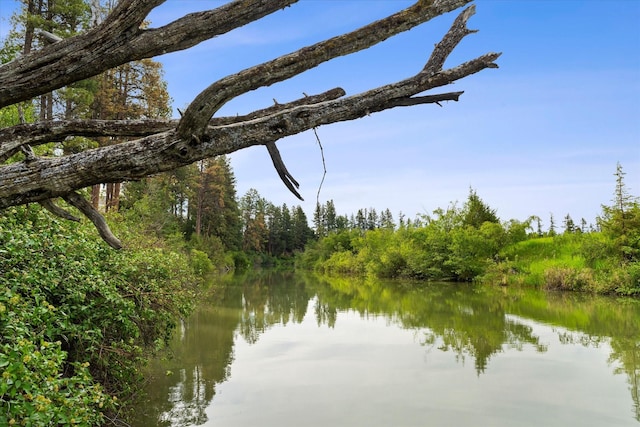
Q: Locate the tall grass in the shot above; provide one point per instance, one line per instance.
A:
(573, 262)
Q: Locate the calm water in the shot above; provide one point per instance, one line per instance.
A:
(285, 349)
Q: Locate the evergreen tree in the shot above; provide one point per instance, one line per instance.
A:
(569, 225)
(276, 230)
(539, 227)
(131, 91)
(552, 225)
(255, 234)
(361, 220)
(319, 220)
(621, 221)
(372, 219)
(342, 223)
(386, 220)
(301, 232)
(214, 209)
(475, 212)
(401, 222)
(330, 217)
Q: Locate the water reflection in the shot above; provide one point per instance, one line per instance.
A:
(473, 324)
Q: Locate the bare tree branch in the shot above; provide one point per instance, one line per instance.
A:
(283, 173)
(118, 40)
(47, 178)
(205, 105)
(427, 99)
(165, 145)
(34, 134)
(58, 211)
(98, 220)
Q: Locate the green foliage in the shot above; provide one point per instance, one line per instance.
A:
(77, 318)
(621, 221)
(571, 262)
(208, 254)
(475, 212)
(39, 385)
(443, 248)
(10, 116)
(470, 244)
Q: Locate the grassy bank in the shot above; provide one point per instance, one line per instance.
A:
(572, 262)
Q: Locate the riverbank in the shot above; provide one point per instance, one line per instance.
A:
(492, 254)
(568, 262)
(78, 319)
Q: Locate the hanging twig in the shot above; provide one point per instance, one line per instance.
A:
(324, 165)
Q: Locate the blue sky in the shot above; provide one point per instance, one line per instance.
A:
(542, 134)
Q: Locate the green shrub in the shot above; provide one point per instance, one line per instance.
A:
(200, 262)
(343, 263)
(391, 264)
(76, 317)
(39, 385)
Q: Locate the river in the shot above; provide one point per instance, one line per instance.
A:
(280, 349)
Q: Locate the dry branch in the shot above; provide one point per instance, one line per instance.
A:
(119, 40)
(98, 220)
(165, 145)
(205, 105)
(34, 134)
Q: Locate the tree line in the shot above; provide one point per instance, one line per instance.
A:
(471, 243)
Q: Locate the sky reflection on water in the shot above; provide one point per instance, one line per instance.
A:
(294, 353)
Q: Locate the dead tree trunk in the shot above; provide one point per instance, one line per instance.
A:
(167, 145)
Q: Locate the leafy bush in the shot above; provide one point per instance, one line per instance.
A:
(76, 317)
(39, 385)
(200, 262)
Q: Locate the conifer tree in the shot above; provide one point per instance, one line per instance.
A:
(621, 221)
(552, 225)
(475, 212)
(569, 225)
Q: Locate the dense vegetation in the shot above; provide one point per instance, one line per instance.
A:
(470, 243)
(77, 318)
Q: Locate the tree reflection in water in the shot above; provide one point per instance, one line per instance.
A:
(471, 322)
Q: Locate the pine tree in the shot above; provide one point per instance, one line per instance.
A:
(552, 225)
(330, 217)
(132, 91)
(372, 219)
(386, 220)
(213, 208)
(255, 234)
(621, 221)
(475, 212)
(301, 232)
(539, 227)
(319, 220)
(361, 220)
(569, 225)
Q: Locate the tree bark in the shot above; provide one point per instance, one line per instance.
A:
(118, 40)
